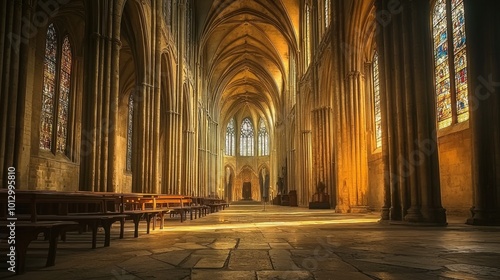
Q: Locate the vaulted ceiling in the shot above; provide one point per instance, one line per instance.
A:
(246, 46)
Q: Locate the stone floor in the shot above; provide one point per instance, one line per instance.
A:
(245, 242)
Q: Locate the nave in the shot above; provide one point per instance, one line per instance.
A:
(247, 242)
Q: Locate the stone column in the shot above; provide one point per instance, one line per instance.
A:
(14, 46)
(356, 132)
(409, 119)
(483, 45)
(169, 178)
(323, 145)
(307, 179)
(100, 114)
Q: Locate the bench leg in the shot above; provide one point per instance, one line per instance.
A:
(122, 227)
(106, 224)
(23, 240)
(51, 257)
(94, 234)
(162, 221)
(136, 219)
(148, 221)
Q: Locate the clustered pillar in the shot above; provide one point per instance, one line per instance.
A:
(14, 41)
(484, 102)
(411, 183)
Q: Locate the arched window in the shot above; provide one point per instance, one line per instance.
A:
(230, 138)
(307, 28)
(56, 92)
(130, 131)
(263, 139)
(450, 57)
(327, 13)
(188, 28)
(376, 103)
(167, 12)
(246, 138)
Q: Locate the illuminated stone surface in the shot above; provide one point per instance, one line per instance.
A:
(288, 243)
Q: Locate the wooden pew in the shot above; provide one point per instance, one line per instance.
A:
(59, 206)
(29, 231)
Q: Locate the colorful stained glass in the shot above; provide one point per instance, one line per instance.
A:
(49, 89)
(263, 139)
(376, 99)
(130, 129)
(443, 24)
(230, 138)
(440, 33)
(64, 92)
(246, 138)
(459, 43)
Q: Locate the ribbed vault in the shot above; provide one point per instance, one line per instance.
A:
(245, 48)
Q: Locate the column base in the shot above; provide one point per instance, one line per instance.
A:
(359, 209)
(484, 218)
(413, 216)
(342, 209)
(395, 214)
(434, 215)
(385, 214)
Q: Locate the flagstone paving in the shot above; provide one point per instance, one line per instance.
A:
(245, 242)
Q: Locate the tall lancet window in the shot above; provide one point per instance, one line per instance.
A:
(230, 138)
(307, 29)
(56, 92)
(327, 13)
(450, 62)
(130, 131)
(263, 139)
(246, 138)
(376, 103)
(64, 91)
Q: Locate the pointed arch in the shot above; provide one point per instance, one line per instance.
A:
(247, 138)
(263, 141)
(231, 138)
(56, 91)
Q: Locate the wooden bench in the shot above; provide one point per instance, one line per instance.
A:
(28, 231)
(93, 221)
(168, 204)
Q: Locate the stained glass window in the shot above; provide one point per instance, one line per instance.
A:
(459, 45)
(188, 27)
(167, 12)
(64, 91)
(49, 89)
(308, 35)
(263, 139)
(449, 31)
(376, 101)
(246, 138)
(130, 130)
(327, 13)
(56, 92)
(230, 139)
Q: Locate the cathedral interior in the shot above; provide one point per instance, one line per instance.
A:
(387, 110)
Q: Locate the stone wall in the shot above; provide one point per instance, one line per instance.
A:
(53, 174)
(375, 181)
(455, 167)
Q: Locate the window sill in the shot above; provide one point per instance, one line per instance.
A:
(48, 155)
(453, 129)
